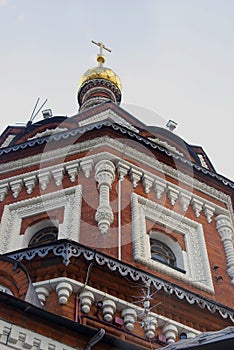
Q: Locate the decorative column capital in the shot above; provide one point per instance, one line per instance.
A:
(224, 227)
(105, 173)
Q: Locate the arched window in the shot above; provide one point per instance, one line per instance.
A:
(45, 235)
(161, 252)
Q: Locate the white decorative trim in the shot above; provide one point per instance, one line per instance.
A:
(8, 140)
(63, 290)
(166, 145)
(16, 187)
(30, 183)
(58, 175)
(70, 198)
(86, 165)
(136, 173)
(135, 176)
(48, 132)
(170, 332)
(196, 260)
(19, 338)
(44, 179)
(172, 194)
(104, 175)
(117, 145)
(109, 114)
(225, 229)
(122, 306)
(147, 182)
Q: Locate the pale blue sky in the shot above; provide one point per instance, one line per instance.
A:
(175, 59)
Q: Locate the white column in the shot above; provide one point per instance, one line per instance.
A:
(225, 229)
(104, 175)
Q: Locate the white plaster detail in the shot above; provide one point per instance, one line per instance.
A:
(147, 182)
(197, 206)
(172, 194)
(86, 301)
(225, 229)
(69, 198)
(111, 115)
(184, 200)
(129, 316)
(8, 141)
(170, 331)
(203, 162)
(119, 303)
(150, 324)
(72, 170)
(3, 191)
(42, 294)
(108, 309)
(30, 183)
(129, 151)
(63, 290)
(209, 211)
(190, 335)
(122, 170)
(116, 145)
(48, 132)
(86, 166)
(195, 257)
(104, 175)
(135, 176)
(159, 187)
(19, 338)
(44, 179)
(58, 175)
(166, 145)
(16, 187)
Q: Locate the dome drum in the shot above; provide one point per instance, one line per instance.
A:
(96, 91)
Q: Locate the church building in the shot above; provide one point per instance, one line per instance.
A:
(113, 234)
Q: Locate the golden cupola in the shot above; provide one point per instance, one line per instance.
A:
(99, 84)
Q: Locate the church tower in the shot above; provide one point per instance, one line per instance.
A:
(114, 234)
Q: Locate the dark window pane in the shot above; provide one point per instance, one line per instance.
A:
(161, 252)
(46, 235)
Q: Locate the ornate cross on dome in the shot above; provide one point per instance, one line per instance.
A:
(101, 45)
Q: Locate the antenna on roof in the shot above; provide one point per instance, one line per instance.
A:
(33, 115)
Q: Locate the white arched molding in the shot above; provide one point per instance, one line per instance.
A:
(195, 258)
(13, 214)
(104, 175)
(174, 246)
(225, 229)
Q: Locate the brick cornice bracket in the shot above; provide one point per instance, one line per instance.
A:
(225, 229)
(104, 175)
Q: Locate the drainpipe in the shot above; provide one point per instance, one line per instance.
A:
(100, 334)
(119, 219)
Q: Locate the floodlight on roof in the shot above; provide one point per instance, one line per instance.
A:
(171, 125)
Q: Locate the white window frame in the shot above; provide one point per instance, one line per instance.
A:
(13, 214)
(194, 259)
